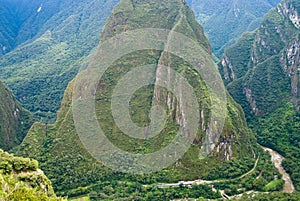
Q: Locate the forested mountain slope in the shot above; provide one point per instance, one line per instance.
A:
(21, 21)
(45, 42)
(8, 26)
(58, 36)
(60, 151)
(224, 21)
(15, 121)
(262, 71)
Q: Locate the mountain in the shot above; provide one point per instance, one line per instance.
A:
(15, 121)
(22, 180)
(62, 147)
(20, 22)
(225, 21)
(40, 40)
(262, 74)
(8, 27)
(49, 42)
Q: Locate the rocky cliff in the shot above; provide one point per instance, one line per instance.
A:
(225, 21)
(269, 57)
(262, 72)
(59, 147)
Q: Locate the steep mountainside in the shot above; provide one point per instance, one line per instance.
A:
(14, 120)
(60, 151)
(22, 180)
(20, 22)
(59, 34)
(224, 21)
(8, 26)
(40, 40)
(262, 71)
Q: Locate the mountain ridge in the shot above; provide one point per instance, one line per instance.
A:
(266, 81)
(224, 22)
(64, 33)
(59, 149)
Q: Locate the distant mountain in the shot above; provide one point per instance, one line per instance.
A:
(8, 27)
(71, 168)
(225, 21)
(22, 180)
(262, 71)
(50, 41)
(15, 121)
(14, 15)
(45, 42)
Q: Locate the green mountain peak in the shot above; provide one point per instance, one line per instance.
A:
(59, 149)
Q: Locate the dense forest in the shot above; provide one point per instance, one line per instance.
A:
(239, 60)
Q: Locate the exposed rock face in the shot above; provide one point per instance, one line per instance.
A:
(224, 21)
(234, 141)
(290, 63)
(228, 72)
(272, 63)
(251, 100)
(289, 10)
(267, 63)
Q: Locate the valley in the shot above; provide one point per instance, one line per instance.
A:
(264, 79)
(150, 100)
(276, 158)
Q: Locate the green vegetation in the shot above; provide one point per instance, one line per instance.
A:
(39, 70)
(133, 191)
(74, 172)
(41, 48)
(264, 177)
(14, 120)
(259, 179)
(270, 197)
(267, 83)
(231, 169)
(22, 180)
(59, 39)
(279, 130)
(225, 21)
(7, 27)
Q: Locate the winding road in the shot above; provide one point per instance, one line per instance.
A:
(202, 182)
(276, 158)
